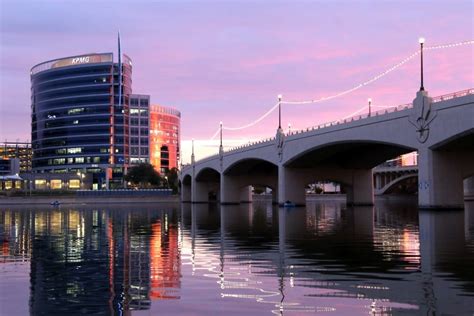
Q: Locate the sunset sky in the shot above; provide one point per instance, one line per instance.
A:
(217, 61)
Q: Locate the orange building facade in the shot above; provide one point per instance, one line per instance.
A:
(164, 137)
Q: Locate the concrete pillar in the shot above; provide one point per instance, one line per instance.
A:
(200, 192)
(440, 182)
(186, 193)
(246, 194)
(469, 189)
(377, 181)
(361, 192)
(290, 186)
(230, 191)
(274, 196)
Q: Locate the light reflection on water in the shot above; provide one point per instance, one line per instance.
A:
(254, 259)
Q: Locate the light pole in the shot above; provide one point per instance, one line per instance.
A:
(220, 125)
(289, 128)
(421, 40)
(370, 106)
(279, 111)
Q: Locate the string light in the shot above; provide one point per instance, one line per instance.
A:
(342, 93)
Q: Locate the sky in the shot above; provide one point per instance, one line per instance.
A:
(228, 60)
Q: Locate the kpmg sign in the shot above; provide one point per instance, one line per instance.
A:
(73, 61)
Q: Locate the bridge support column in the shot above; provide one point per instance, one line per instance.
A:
(185, 193)
(469, 189)
(361, 193)
(440, 181)
(377, 182)
(274, 196)
(200, 192)
(291, 188)
(230, 191)
(246, 194)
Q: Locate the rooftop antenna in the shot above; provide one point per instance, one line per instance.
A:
(120, 70)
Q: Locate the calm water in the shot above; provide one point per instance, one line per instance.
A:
(233, 260)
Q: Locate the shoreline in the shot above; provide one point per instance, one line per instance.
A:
(64, 199)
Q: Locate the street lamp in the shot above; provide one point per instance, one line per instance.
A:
(421, 40)
(279, 110)
(370, 106)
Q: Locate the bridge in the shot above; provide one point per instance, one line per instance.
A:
(440, 129)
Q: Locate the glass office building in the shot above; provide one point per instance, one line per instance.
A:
(80, 116)
(139, 128)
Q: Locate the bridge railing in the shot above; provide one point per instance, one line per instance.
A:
(453, 95)
(387, 110)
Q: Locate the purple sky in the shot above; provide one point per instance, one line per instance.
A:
(228, 61)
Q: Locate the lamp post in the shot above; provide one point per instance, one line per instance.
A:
(421, 40)
(279, 111)
(289, 128)
(220, 125)
(370, 106)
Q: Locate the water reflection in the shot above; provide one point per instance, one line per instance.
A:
(252, 258)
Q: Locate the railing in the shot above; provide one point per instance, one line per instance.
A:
(450, 96)
(353, 118)
(125, 192)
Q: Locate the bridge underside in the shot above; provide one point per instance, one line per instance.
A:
(349, 164)
(237, 180)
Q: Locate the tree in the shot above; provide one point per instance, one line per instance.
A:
(143, 175)
(172, 176)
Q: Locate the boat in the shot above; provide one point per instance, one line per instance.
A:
(55, 203)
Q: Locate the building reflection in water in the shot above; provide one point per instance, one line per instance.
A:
(94, 261)
(323, 258)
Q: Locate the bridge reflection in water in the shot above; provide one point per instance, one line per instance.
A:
(250, 258)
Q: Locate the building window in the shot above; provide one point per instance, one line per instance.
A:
(80, 160)
(40, 184)
(74, 184)
(75, 150)
(56, 184)
(75, 111)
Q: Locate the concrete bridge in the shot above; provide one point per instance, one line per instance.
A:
(440, 129)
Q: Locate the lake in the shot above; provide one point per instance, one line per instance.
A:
(251, 259)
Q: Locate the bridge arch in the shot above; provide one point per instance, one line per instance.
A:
(361, 154)
(207, 184)
(389, 186)
(239, 176)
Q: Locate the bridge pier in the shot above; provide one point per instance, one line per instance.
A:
(291, 186)
(469, 189)
(200, 192)
(246, 194)
(230, 190)
(440, 184)
(361, 191)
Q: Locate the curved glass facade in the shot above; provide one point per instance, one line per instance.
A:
(164, 137)
(78, 123)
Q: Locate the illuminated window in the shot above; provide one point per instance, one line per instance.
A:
(59, 161)
(75, 111)
(8, 185)
(74, 184)
(56, 184)
(75, 122)
(74, 150)
(80, 160)
(96, 160)
(40, 184)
